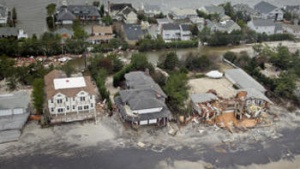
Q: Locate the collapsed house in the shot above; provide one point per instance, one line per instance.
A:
(244, 110)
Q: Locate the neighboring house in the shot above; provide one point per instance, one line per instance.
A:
(3, 14)
(242, 80)
(202, 105)
(175, 31)
(14, 112)
(212, 9)
(69, 98)
(182, 13)
(245, 9)
(133, 32)
(64, 33)
(265, 26)
(151, 10)
(66, 14)
(101, 34)
(162, 21)
(143, 102)
(197, 20)
(128, 15)
(293, 9)
(224, 26)
(292, 29)
(170, 32)
(6, 32)
(114, 8)
(65, 17)
(269, 11)
(185, 32)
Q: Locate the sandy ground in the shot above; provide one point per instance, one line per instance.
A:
(202, 85)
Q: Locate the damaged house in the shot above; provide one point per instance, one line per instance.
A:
(143, 102)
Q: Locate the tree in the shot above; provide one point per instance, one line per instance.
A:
(171, 61)
(228, 9)
(79, 32)
(38, 95)
(139, 61)
(194, 30)
(107, 20)
(68, 69)
(14, 16)
(102, 10)
(286, 85)
(177, 91)
(96, 3)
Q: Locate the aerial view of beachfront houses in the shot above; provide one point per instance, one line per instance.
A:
(154, 84)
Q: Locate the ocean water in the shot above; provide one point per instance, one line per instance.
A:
(32, 13)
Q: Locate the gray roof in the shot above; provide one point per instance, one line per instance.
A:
(253, 93)
(8, 31)
(133, 31)
(263, 22)
(119, 6)
(278, 27)
(65, 15)
(162, 20)
(170, 26)
(164, 113)
(81, 10)
(243, 80)
(292, 8)
(203, 97)
(264, 7)
(185, 27)
(15, 100)
(139, 80)
(3, 11)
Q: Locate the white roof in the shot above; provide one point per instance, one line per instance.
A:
(67, 83)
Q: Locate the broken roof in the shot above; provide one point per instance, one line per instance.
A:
(253, 93)
(243, 80)
(203, 97)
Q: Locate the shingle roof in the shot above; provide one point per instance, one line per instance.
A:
(65, 15)
(133, 31)
(81, 10)
(264, 7)
(102, 29)
(170, 26)
(185, 27)
(263, 22)
(244, 8)
(119, 6)
(203, 97)
(214, 9)
(243, 80)
(8, 31)
(69, 92)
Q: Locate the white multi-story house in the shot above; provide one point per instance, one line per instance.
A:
(174, 31)
(269, 11)
(151, 10)
(69, 98)
(266, 26)
(183, 13)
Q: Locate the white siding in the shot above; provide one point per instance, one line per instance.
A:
(145, 111)
(144, 122)
(153, 121)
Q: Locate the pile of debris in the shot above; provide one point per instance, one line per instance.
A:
(248, 109)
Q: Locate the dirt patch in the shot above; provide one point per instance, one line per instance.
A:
(202, 85)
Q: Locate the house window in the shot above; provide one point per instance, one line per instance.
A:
(66, 99)
(52, 109)
(92, 105)
(51, 100)
(59, 101)
(73, 107)
(79, 108)
(86, 107)
(82, 98)
(60, 110)
(68, 107)
(91, 97)
(73, 98)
